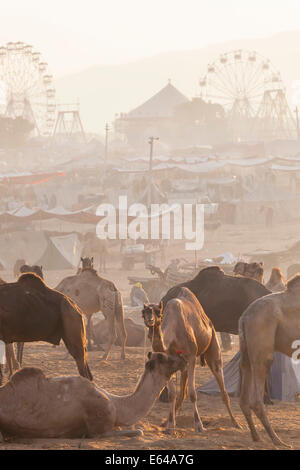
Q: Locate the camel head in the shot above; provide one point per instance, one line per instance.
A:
(38, 270)
(251, 270)
(164, 364)
(87, 263)
(152, 314)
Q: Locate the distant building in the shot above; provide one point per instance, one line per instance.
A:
(175, 119)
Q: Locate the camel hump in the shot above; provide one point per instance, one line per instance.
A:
(25, 374)
(211, 271)
(32, 280)
(187, 294)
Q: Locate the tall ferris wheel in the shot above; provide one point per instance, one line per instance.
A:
(240, 81)
(26, 87)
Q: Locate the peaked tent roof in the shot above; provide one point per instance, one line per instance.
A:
(160, 105)
(62, 252)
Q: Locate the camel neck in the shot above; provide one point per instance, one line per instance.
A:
(158, 344)
(132, 408)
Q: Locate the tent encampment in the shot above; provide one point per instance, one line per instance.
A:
(62, 252)
(283, 379)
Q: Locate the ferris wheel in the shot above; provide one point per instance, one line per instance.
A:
(238, 81)
(26, 87)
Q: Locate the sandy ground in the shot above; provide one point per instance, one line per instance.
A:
(120, 377)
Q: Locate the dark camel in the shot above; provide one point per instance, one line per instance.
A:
(31, 311)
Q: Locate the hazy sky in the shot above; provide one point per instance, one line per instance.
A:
(74, 34)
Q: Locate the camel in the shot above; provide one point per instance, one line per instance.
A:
(34, 406)
(224, 298)
(183, 325)
(252, 270)
(268, 325)
(31, 311)
(38, 270)
(92, 294)
(277, 283)
(135, 334)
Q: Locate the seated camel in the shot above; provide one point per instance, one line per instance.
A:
(93, 294)
(31, 311)
(183, 325)
(135, 334)
(250, 270)
(34, 406)
(269, 324)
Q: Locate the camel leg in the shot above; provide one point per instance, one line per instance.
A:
(74, 338)
(183, 390)
(123, 336)
(113, 336)
(1, 377)
(214, 361)
(20, 349)
(193, 395)
(79, 354)
(89, 332)
(12, 362)
(259, 371)
(171, 423)
(246, 384)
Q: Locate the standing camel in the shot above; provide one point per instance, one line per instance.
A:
(183, 325)
(31, 311)
(34, 406)
(92, 294)
(269, 324)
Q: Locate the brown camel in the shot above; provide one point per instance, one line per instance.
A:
(269, 324)
(34, 406)
(92, 294)
(183, 325)
(135, 334)
(31, 311)
(277, 283)
(252, 271)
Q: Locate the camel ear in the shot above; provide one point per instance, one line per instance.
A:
(149, 355)
(81, 259)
